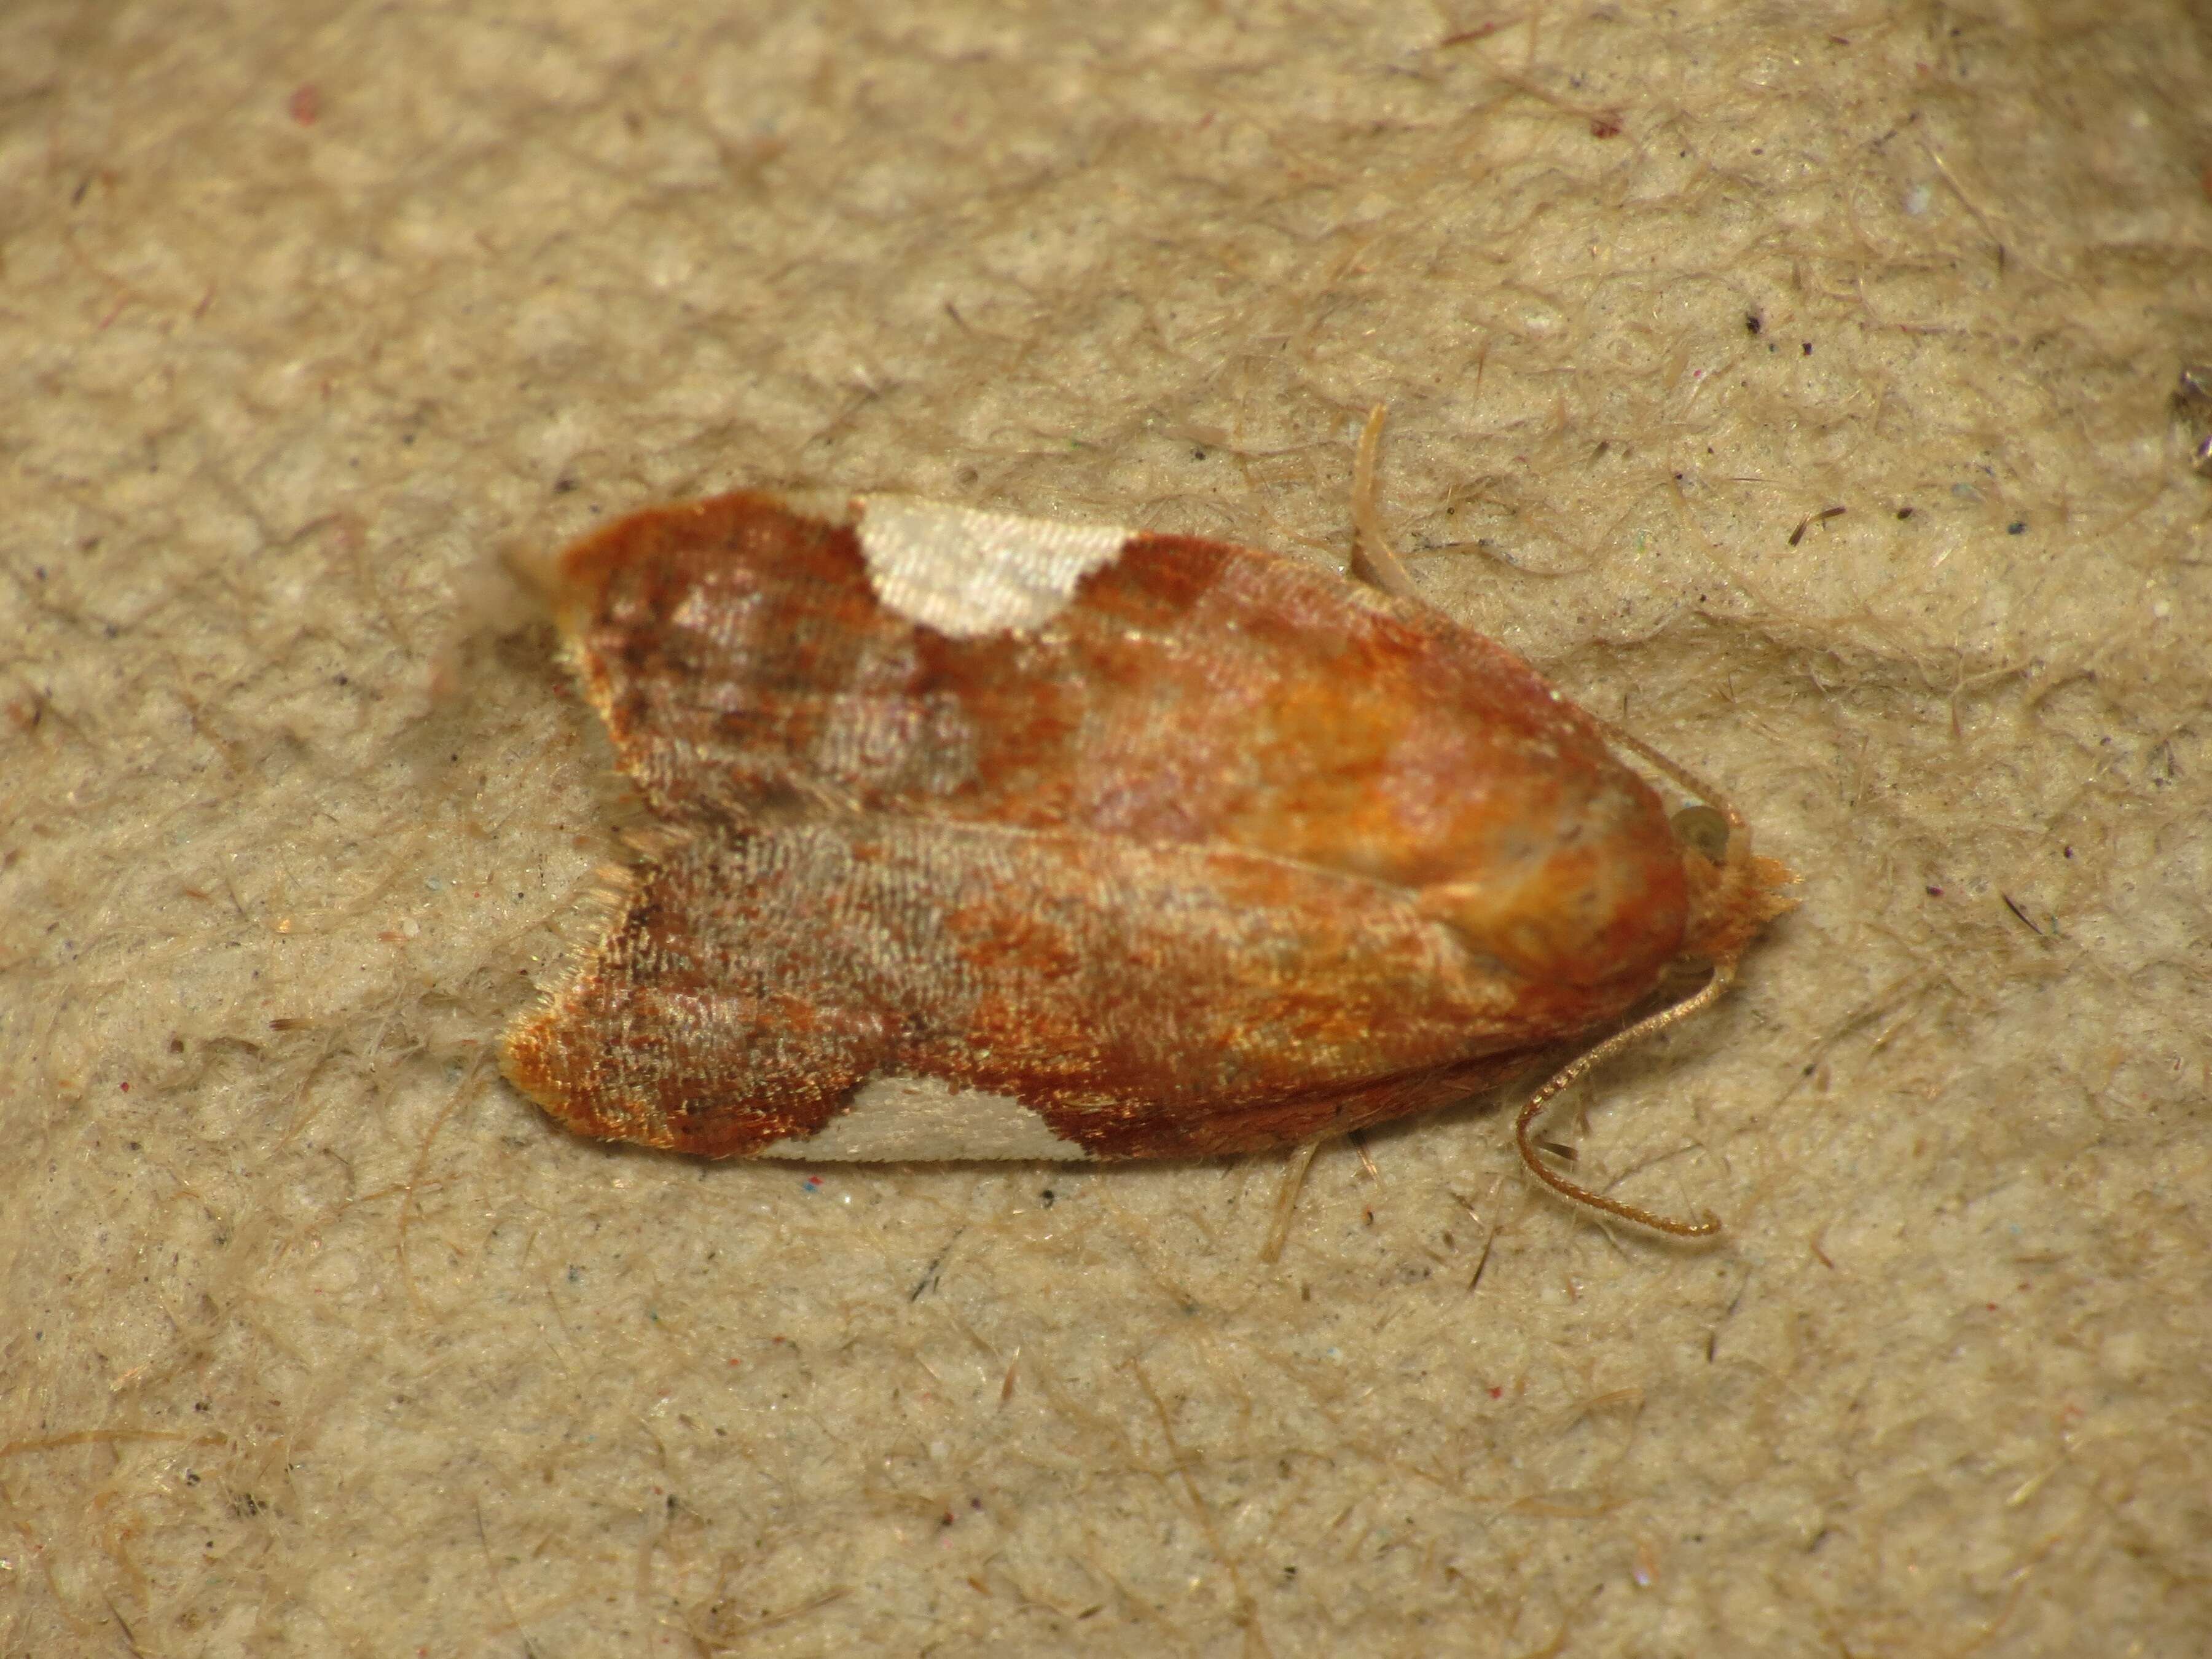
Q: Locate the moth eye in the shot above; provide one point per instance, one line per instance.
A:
(1706, 829)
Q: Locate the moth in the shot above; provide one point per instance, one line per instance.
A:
(973, 835)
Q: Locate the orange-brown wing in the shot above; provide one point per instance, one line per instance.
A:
(1222, 852)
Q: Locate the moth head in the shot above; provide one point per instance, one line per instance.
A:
(1733, 893)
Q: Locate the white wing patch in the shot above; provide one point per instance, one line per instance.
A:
(967, 573)
(926, 1120)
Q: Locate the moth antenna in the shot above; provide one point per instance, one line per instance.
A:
(1691, 782)
(1523, 1128)
(1370, 546)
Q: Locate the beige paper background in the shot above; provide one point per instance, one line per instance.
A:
(314, 1338)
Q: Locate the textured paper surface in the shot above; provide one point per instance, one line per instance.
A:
(318, 1338)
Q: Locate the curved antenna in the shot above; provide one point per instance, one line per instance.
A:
(1691, 784)
(1371, 544)
(1523, 1126)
